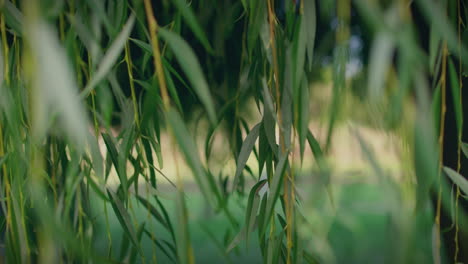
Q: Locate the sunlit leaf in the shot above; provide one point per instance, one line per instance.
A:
(56, 86)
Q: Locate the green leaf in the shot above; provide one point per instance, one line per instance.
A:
(192, 69)
(257, 19)
(3, 159)
(95, 186)
(99, 9)
(209, 136)
(124, 219)
(303, 109)
(434, 48)
(287, 106)
(134, 251)
(425, 159)
(456, 96)
(300, 43)
(116, 160)
(56, 89)
(274, 189)
(252, 209)
(111, 56)
(155, 213)
(315, 147)
(161, 247)
(192, 22)
(433, 11)
(459, 180)
(184, 250)
(246, 149)
(143, 45)
(172, 90)
(464, 148)
(189, 149)
(85, 36)
(13, 17)
(380, 60)
(310, 20)
(269, 118)
(340, 58)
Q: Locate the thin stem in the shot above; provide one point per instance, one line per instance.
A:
(6, 66)
(128, 59)
(443, 109)
(153, 27)
(460, 133)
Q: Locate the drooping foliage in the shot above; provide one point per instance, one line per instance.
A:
(91, 90)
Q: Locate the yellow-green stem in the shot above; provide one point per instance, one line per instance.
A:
(460, 133)
(128, 59)
(443, 109)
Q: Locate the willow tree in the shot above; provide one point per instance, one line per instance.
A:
(75, 73)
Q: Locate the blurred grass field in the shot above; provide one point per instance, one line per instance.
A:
(359, 228)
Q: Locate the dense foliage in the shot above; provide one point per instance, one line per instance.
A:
(92, 89)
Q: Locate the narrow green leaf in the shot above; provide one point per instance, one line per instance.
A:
(310, 20)
(3, 159)
(96, 156)
(95, 186)
(269, 118)
(56, 89)
(111, 56)
(459, 180)
(340, 58)
(86, 36)
(116, 160)
(299, 57)
(246, 149)
(221, 114)
(124, 219)
(192, 22)
(434, 47)
(192, 69)
(154, 212)
(143, 45)
(303, 122)
(257, 19)
(287, 102)
(252, 209)
(274, 189)
(425, 159)
(456, 96)
(184, 250)
(161, 247)
(236, 240)
(172, 90)
(139, 235)
(315, 147)
(464, 148)
(100, 11)
(189, 149)
(433, 11)
(380, 60)
(13, 17)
